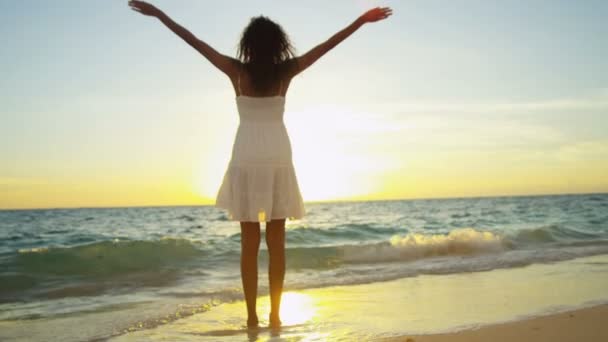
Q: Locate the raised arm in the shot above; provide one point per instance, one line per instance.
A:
(307, 59)
(226, 64)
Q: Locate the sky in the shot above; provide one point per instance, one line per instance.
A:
(101, 106)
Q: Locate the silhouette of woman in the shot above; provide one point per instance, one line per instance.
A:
(260, 184)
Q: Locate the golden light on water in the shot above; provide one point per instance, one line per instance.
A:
(296, 308)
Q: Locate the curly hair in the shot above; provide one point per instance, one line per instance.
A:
(263, 49)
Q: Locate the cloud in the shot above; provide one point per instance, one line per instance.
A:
(594, 100)
(532, 125)
(584, 151)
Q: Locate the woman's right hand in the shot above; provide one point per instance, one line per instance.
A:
(144, 8)
(376, 14)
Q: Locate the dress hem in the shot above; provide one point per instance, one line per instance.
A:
(231, 217)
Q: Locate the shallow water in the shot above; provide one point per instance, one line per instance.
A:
(161, 264)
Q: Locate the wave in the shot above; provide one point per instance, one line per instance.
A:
(339, 234)
(416, 246)
(106, 258)
(365, 273)
(306, 248)
(97, 267)
(549, 234)
(457, 243)
(408, 247)
(90, 269)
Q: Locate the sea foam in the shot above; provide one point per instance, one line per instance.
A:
(414, 246)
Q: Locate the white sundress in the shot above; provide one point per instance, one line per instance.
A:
(260, 183)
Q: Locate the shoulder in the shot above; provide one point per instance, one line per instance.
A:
(290, 67)
(233, 67)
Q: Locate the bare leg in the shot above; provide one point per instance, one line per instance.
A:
(275, 240)
(250, 244)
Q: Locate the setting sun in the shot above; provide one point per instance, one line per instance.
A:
(353, 170)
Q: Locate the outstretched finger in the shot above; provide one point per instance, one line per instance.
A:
(137, 4)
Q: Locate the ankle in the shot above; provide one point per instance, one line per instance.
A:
(274, 319)
(252, 321)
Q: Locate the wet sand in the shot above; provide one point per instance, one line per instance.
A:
(424, 308)
(590, 325)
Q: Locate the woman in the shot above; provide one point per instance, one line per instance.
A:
(260, 183)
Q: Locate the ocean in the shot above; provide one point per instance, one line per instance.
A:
(146, 267)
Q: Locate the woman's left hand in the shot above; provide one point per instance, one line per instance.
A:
(376, 14)
(144, 8)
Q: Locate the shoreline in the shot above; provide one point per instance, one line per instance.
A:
(432, 308)
(562, 301)
(584, 324)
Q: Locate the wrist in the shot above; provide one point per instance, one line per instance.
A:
(360, 21)
(160, 14)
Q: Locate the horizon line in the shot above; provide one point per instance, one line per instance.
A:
(319, 201)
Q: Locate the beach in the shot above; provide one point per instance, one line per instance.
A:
(429, 171)
(562, 301)
(423, 270)
(579, 325)
(459, 306)
(552, 302)
(498, 304)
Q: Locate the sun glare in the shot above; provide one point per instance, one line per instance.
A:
(208, 177)
(332, 160)
(329, 153)
(296, 308)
